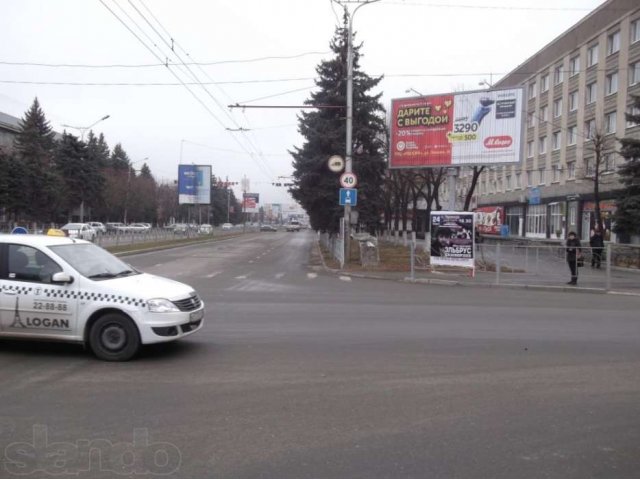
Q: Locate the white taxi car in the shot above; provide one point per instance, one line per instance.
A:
(63, 289)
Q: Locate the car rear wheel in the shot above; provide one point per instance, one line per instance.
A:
(114, 338)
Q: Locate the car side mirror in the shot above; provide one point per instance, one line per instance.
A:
(61, 277)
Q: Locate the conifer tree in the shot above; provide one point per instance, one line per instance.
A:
(315, 186)
(35, 147)
(627, 215)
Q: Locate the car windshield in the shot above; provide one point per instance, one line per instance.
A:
(92, 261)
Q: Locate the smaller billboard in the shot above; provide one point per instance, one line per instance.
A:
(194, 184)
(489, 220)
(452, 237)
(250, 202)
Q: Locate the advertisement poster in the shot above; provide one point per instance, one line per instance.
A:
(473, 128)
(194, 184)
(452, 239)
(250, 202)
(489, 220)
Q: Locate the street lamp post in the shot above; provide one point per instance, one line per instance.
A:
(349, 137)
(82, 132)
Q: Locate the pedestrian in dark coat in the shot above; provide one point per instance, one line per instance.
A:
(596, 242)
(574, 252)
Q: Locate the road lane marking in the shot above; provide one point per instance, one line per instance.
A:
(158, 265)
(279, 275)
(250, 261)
(312, 275)
(344, 279)
(213, 274)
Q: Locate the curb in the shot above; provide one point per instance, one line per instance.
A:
(169, 247)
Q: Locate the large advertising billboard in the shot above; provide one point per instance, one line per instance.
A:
(473, 128)
(194, 184)
(452, 239)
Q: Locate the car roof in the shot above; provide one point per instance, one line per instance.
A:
(38, 240)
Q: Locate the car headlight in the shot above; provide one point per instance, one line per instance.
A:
(161, 305)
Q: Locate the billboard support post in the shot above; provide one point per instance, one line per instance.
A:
(452, 174)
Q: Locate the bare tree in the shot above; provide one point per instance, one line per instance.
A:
(601, 145)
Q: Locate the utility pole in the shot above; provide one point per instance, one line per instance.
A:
(349, 137)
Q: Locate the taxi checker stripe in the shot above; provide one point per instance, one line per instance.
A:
(87, 296)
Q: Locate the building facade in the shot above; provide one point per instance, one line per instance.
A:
(578, 89)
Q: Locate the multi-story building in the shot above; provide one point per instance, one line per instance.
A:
(9, 128)
(578, 89)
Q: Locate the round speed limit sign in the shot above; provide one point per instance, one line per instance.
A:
(348, 180)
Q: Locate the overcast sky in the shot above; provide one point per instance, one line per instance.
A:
(433, 46)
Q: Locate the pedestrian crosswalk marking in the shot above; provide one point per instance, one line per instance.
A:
(345, 279)
(312, 275)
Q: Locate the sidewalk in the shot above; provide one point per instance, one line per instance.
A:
(548, 273)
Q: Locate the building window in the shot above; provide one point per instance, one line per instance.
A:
(589, 128)
(541, 178)
(537, 221)
(530, 120)
(543, 113)
(592, 92)
(557, 107)
(508, 182)
(573, 214)
(592, 55)
(573, 101)
(512, 218)
(588, 167)
(555, 222)
(544, 83)
(556, 140)
(571, 170)
(574, 66)
(518, 180)
(608, 163)
(572, 135)
(529, 178)
(557, 75)
(634, 73)
(633, 111)
(610, 122)
(613, 43)
(532, 90)
(542, 145)
(529, 149)
(635, 31)
(555, 173)
(611, 83)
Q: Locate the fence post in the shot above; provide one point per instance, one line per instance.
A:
(413, 257)
(608, 253)
(498, 266)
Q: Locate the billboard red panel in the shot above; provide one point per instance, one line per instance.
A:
(419, 131)
(489, 220)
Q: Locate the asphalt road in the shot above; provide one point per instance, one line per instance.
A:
(300, 373)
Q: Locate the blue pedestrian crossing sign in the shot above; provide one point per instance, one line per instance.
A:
(349, 196)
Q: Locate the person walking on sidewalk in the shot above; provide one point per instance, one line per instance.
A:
(596, 242)
(574, 252)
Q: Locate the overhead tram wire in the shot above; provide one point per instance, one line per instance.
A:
(204, 105)
(191, 72)
(175, 43)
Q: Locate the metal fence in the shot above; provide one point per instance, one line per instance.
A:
(334, 244)
(614, 268)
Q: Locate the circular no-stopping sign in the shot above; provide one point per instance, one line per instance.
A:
(348, 180)
(336, 163)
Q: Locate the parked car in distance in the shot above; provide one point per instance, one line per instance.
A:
(137, 227)
(180, 228)
(82, 231)
(206, 228)
(227, 226)
(266, 227)
(114, 226)
(99, 227)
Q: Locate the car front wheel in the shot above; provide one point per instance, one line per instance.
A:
(114, 338)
